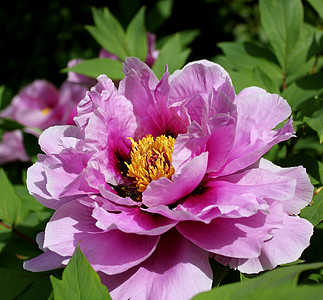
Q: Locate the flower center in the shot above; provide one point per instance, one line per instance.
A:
(45, 111)
(151, 159)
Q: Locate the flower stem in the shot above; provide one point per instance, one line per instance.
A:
(19, 233)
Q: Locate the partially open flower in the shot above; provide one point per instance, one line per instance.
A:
(160, 175)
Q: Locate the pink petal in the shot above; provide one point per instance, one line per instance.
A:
(258, 113)
(46, 261)
(286, 246)
(56, 138)
(199, 77)
(138, 87)
(132, 221)
(213, 131)
(238, 195)
(37, 183)
(106, 251)
(303, 191)
(223, 129)
(165, 191)
(12, 147)
(242, 237)
(135, 64)
(177, 270)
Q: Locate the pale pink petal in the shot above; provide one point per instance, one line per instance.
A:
(46, 261)
(213, 131)
(37, 183)
(286, 246)
(258, 114)
(12, 147)
(199, 77)
(56, 138)
(303, 191)
(134, 64)
(177, 270)
(238, 195)
(138, 87)
(165, 191)
(242, 237)
(132, 221)
(106, 251)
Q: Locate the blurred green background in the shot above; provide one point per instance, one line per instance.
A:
(38, 38)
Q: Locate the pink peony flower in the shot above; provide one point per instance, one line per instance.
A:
(41, 105)
(159, 177)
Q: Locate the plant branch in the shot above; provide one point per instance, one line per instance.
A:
(19, 233)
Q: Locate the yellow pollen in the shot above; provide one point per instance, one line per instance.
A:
(151, 159)
(45, 111)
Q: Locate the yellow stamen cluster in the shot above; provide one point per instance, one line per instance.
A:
(151, 159)
(45, 111)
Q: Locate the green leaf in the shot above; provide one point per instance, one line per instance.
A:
(318, 6)
(96, 66)
(282, 21)
(10, 125)
(31, 145)
(247, 56)
(39, 289)
(2, 91)
(171, 54)
(31, 213)
(280, 283)
(109, 33)
(158, 14)
(10, 202)
(79, 281)
(5, 97)
(186, 37)
(250, 64)
(13, 282)
(317, 125)
(314, 212)
(29, 202)
(137, 36)
(303, 89)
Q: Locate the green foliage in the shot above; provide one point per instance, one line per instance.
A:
(9, 125)
(172, 55)
(314, 212)
(14, 282)
(281, 21)
(137, 36)
(79, 281)
(109, 33)
(10, 202)
(5, 97)
(280, 283)
(317, 125)
(318, 6)
(95, 66)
